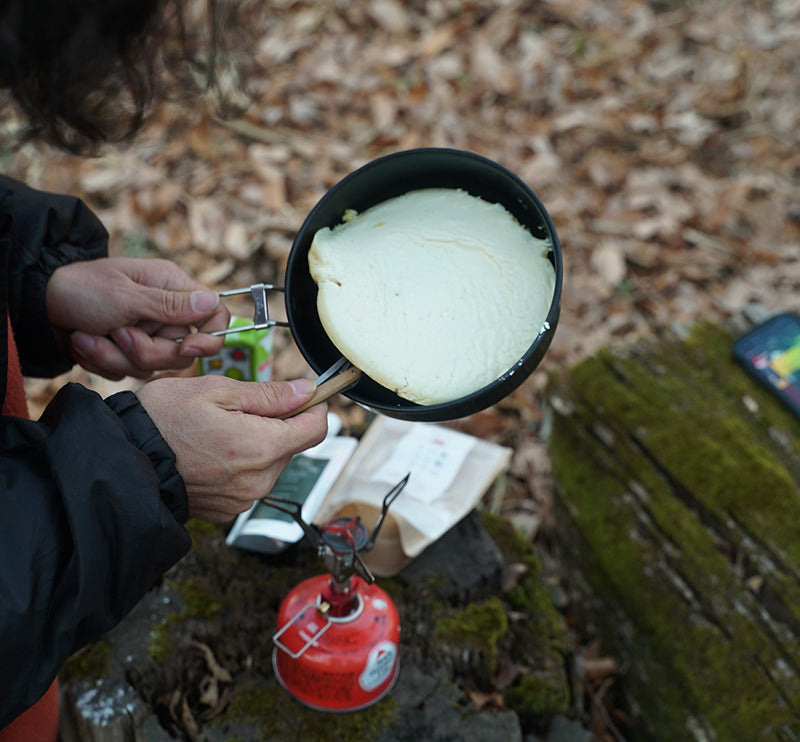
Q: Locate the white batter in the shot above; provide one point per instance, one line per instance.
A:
(433, 294)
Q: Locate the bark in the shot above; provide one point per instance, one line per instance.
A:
(678, 490)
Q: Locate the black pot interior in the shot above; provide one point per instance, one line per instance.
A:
(386, 178)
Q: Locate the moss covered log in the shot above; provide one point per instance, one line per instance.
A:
(679, 483)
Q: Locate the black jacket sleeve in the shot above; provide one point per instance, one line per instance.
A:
(91, 505)
(44, 231)
(91, 516)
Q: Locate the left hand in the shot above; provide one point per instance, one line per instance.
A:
(123, 314)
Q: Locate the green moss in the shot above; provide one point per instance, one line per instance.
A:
(198, 528)
(664, 474)
(533, 696)
(529, 595)
(613, 566)
(197, 602)
(263, 707)
(160, 645)
(478, 628)
(278, 716)
(513, 545)
(435, 592)
(691, 423)
(90, 662)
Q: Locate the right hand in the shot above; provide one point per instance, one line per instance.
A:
(121, 315)
(228, 443)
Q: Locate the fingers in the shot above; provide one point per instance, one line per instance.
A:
(171, 310)
(265, 402)
(175, 298)
(173, 306)
(272, 398)
(229, 442)
(306, 429)
(218, 320)
(167, 295)
(152, 327)
(261, 405)
(198, 345)
(128, 352)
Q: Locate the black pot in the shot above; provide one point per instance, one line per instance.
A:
(385, 178)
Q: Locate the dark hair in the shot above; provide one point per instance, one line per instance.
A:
(84, 72)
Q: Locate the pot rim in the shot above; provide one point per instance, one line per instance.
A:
(520, 200)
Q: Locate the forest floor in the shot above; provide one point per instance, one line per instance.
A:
(661, 136)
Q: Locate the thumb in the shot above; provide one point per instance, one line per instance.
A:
(176, 307)
(275, 398)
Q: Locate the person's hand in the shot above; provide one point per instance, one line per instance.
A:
(123, 315)
(228, 444)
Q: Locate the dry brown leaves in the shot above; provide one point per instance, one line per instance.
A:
(662, 139)
(203, 694)
(661, 136)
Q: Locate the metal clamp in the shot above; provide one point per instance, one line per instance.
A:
(261, 320)
(309, 640)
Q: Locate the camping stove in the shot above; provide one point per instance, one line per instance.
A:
(336, 648)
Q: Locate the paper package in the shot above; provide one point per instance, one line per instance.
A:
(449, 473)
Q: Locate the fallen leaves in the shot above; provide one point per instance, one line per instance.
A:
(202, 695)
(662, 138)
(594, 678)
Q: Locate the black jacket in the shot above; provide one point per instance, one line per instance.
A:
(91, 505)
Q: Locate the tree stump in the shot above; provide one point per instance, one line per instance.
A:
(483, 657)
(678, 489)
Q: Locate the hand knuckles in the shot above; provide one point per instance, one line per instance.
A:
(172, 305)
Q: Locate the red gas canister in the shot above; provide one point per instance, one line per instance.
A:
(338, 636)
(334, 663)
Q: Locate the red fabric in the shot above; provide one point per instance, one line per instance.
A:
(40, 722)
(14, 404)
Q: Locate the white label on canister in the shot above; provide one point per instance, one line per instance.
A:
(379, 667)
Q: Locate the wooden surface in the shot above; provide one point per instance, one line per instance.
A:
(678, 483)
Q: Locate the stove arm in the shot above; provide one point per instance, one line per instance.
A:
(391, 496)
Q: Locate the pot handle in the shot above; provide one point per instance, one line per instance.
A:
(333, 385)
(261, 320)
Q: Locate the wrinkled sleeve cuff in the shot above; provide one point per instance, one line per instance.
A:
(46, 357)
(147, 438)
